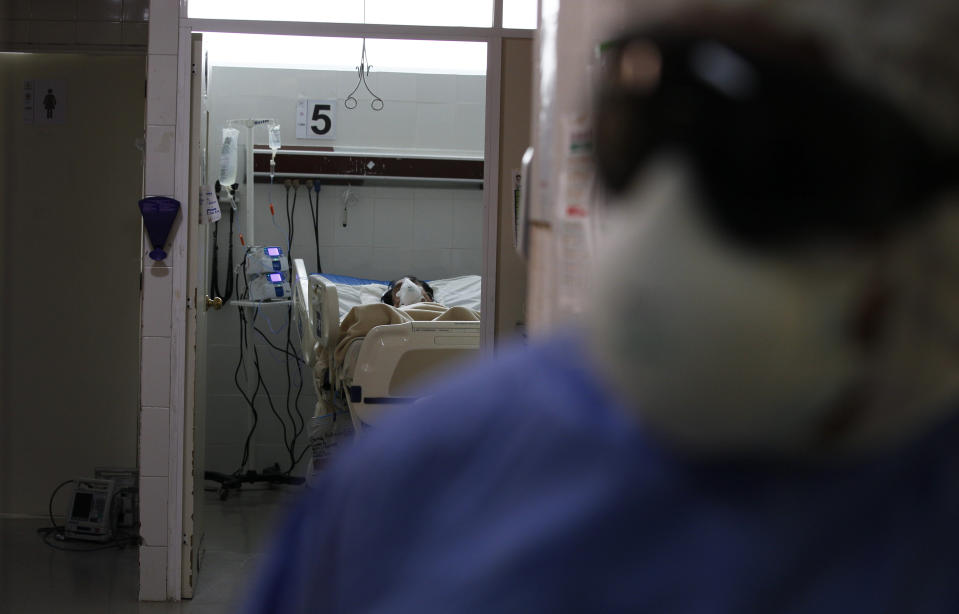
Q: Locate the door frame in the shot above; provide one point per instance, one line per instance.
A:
(180, 500)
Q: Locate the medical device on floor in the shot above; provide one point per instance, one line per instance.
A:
(262, 260)
(90, 516)
(269, 287)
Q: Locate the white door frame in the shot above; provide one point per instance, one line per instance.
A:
(181, 403)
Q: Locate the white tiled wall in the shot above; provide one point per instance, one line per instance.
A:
(76, 24)
(159, 394)
(443, 113)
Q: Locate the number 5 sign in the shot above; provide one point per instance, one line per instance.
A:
(316, 119)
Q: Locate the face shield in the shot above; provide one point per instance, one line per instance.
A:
(749, 189)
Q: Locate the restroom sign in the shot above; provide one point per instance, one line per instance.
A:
(45, 101)
(316, 119)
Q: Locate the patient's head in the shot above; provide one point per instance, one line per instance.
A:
(782, 273)
(407, 291)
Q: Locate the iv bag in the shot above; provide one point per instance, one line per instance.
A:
(228, 156)
(275, 137)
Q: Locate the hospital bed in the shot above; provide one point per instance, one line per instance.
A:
(369, 375)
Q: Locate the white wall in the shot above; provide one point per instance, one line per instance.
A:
(423, 230)
(421, 112)
(71, 268)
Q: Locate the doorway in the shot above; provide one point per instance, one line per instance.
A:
(254, 397)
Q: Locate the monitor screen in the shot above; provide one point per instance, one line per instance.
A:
(276, 277)
(81, 505)
(273, 251)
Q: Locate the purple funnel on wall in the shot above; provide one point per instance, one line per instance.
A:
(158, 215)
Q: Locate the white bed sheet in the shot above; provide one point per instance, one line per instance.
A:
(351, 296)
(462, 291)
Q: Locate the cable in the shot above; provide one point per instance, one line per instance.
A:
(53, 522)
(249, 400)
(269, 399)
(270, 343)
(215, 273)
(315, 214)
(119, 542)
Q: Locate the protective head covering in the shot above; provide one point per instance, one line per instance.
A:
(831, 328)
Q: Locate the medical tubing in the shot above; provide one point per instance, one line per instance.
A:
(214, 274)
(289, 381)
(299, 391)
(269, 399)
(228, 292)
(270, 343)
(291, 443)
(249, 400)
(315, 213)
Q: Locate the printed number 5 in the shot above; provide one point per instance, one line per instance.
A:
(323, 117)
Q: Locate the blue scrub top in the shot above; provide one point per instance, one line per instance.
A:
(522, 486)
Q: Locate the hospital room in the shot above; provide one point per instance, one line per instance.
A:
(499, 305)
(377, 175)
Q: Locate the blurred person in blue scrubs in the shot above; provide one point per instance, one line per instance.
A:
(758, 410)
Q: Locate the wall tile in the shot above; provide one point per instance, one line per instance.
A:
(222, 326)
(392, 263)
(436, 88)
(53, 32)
(221, 365)
(431, 193)
(12, 31)
(359, 228)
(160, 150)
(16, 9)
(471, 88)
(395, 86)
(355, 261)
(269, 430)
(435, 127)
(157, 301)
(155, 372)
(54, 9)
(469, 125)
(164, 26)
(431, 263)
(154, 442)
(154, 494)
(161, 89)
(153, 561)
(100, 10)
(393, 223)
(432, 224)
(228, 420)
(99, 32)
(466, 262)
(136, 10)
(467, 225)
(135, 33)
